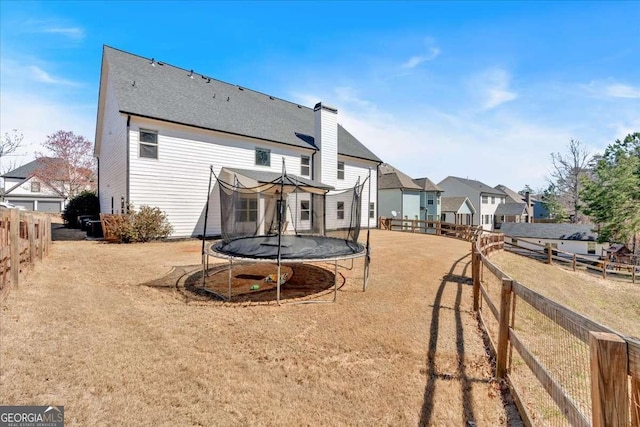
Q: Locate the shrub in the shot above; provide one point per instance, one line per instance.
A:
(148, 223)
(85, 203)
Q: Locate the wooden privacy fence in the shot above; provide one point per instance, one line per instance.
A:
(464, 232)
(551, 255)
(24, 238)
(562, 368)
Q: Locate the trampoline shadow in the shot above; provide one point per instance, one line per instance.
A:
(256, 283)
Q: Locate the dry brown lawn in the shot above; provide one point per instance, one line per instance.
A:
(612, 303)
(84, 331)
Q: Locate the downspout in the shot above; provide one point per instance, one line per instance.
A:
(126, 182)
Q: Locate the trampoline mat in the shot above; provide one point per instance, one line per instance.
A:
(292, 247)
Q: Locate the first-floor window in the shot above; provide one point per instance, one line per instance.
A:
(372, 210)
(246, 210)
(591, 248)
(305, 212)
(148, 144)
(443, 217)
(340, 210)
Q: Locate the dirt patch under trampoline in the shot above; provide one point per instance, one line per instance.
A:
(256, 282)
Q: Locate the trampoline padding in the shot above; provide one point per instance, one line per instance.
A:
(291, 247)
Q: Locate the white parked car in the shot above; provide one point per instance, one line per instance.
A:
(7, 205)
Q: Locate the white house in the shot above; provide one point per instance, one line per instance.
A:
(160, 128)
(22, 188)
(457, 210)
(575, 238)
(484, 198)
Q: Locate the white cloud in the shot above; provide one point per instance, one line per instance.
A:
(611, 89)
(414, 61)
(492, 87)
(622, 91)
(75, 33)
(39, 75)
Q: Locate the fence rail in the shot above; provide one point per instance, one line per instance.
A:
(459, 231)
(24, 238)
(589, 374)
(551, 255)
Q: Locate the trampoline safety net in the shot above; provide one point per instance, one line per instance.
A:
(288, 218)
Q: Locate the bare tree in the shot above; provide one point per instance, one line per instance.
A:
(71, 168)
(8, 146)
(568, 168)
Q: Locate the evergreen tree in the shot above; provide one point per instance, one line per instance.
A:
(611, 195)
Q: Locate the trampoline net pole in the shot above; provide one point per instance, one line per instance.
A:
(335, 281)
(230, 276)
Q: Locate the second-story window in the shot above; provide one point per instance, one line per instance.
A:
(493, 200)
(429, 199)
(148, 144)
(263, 157)
(305, 166)
(340, 170)
(485, 199)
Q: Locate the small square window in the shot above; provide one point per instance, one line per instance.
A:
(263, 157)
(340, 210)
(305, 212)
(148, 144)
(340, 170)
(305, 165)
(35, 187)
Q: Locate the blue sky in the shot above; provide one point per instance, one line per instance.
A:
(484, 90)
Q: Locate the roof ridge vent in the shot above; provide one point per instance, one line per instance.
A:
(153, 62)
(190, 74)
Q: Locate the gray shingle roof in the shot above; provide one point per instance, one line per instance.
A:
(162, 91)
(453, 204)
(511, 209)
(513, 195)
(427, 185)
(549, 231)
(27, 170)
(391, 178)
(477, 185)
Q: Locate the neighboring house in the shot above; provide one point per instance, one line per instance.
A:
(510, 212)
(430, 199)
(575, 238)
(618, 253)
(540, 212)
(484, 198)
(397, 193)
(514, 213)
(160, 128)
(457, 210)
(23, 188)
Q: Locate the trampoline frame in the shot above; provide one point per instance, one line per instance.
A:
(209, 251)
(231, 258)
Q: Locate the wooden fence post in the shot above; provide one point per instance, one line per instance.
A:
(40, 239)
(503, 329)
(604, 269)
(574, 262)
(14, 243)
(549, 255)
(32, 239)
(635, 402)
(609, 390)
(475, 272)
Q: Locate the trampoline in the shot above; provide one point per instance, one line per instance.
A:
(284, 219)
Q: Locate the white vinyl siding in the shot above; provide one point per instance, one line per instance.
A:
(177, 183)
(113, 153)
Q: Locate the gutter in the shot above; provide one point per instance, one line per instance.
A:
(126, 183)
